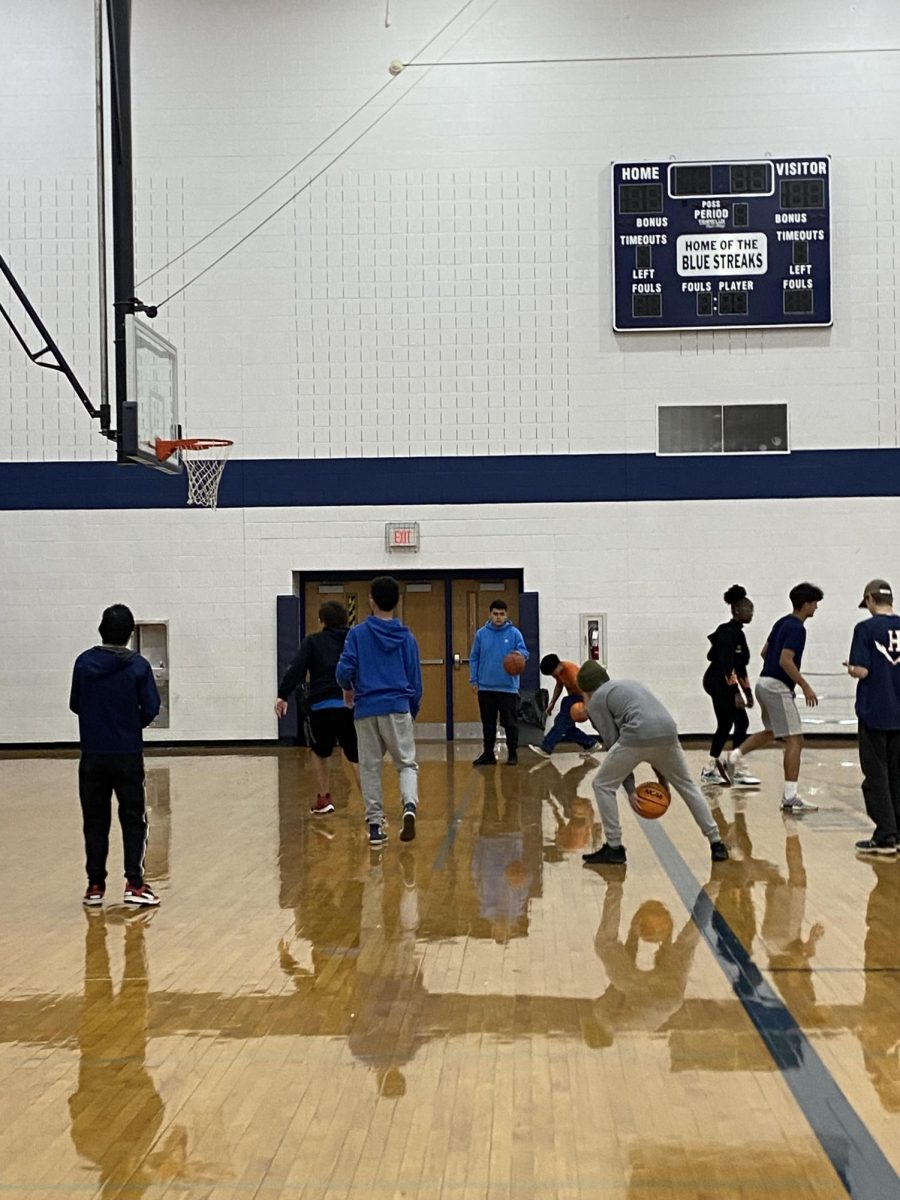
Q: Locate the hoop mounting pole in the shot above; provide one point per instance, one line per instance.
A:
(118, 15)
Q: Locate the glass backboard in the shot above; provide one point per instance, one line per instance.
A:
(152, 404)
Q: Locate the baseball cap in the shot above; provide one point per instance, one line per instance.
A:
(880, 591)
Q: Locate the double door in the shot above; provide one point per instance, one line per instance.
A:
(444, 644)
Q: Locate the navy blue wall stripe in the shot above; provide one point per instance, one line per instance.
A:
(507, 479)
(853, 1152)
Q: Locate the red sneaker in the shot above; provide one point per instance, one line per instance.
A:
(93, 896)
(322, 805)
(143, 895)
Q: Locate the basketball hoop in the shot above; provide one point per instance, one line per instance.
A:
(204, 460)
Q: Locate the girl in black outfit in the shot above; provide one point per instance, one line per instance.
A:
(330, 721)
(726, 683)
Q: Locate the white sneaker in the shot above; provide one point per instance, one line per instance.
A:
(725, 768)
(744, 779)
(797, 805)
(710, 775)
(540, 750)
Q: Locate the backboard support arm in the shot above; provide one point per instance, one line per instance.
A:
(125, 303)
(50, 347)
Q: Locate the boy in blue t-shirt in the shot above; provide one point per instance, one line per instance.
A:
(874, 662)
(780, 674)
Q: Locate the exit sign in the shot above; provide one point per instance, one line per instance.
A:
(400, 536)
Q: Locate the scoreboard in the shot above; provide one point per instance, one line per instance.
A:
(721, 245)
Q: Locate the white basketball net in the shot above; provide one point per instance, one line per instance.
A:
(204, 470)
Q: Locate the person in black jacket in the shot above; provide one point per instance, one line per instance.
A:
(114, 695)
(727, 685)
(330, 721)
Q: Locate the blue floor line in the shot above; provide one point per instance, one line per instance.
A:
(856, 1157)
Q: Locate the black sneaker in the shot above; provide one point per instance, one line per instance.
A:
(718, 851)
(377, 835)
(512, 759)
(611, 855)
(882, 849)
(408, 832)
(485, 760)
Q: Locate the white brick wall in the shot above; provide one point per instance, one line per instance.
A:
(443, 290)
(658, 570)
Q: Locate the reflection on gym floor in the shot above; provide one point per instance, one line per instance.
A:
(470, 1014)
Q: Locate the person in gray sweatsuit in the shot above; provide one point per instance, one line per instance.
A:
(635, 727)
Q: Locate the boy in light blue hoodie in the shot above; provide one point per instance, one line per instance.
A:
(496, 689)
(380, 666)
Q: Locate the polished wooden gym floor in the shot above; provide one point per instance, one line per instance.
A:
(474, 1014)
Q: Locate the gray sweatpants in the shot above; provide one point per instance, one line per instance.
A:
(667, 757)
(393, 734)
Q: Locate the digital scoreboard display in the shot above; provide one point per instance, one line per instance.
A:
(721, 245)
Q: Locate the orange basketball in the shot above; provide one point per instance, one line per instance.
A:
(653, 921)
(651, 801)
(516, 873)
(578, 712)
(514, 663)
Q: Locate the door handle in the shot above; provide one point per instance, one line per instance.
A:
(431, 662)
(458, 662)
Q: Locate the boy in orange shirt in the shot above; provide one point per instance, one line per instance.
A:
(563, 728)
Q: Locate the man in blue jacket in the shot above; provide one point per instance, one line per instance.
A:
(114, 694)
(380, 674)
(497, 690)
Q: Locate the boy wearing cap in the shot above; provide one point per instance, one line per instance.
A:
(779, 676)
(634, 728)
(874, 662)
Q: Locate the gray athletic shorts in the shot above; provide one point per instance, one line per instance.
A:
(778, 707)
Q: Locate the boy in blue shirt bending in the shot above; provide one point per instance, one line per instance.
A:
(379, 665)
(114, 694)
(874, 662)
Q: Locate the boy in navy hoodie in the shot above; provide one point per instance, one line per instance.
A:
(380, 666)
(496, 690)
(114, 694)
